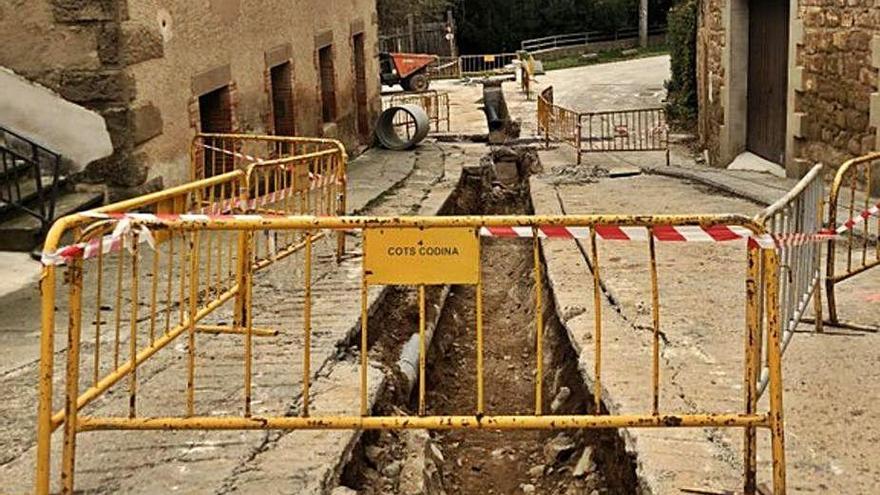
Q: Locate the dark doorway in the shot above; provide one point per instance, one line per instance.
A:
(215, 115)
(328, 84)
(282, 99)
(360, 85)
(768, 78)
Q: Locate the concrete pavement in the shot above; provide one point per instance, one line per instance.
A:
(831, 408)
(383, 183)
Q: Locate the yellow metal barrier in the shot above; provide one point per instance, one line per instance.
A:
(557, 122)
(285, 176)
(403, 250)
(486, 64)
(640, 129)
(214, 154)
(526, 73)
(850, 198)
(112, 288)
(435, 103)
(445, 68)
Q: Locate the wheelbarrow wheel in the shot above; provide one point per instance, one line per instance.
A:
(417, 82)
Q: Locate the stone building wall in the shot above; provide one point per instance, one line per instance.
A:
(838, 79)
(142, 63)
(73, 47)
(834, 80)
(710, 76)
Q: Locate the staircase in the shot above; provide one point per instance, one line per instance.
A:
(34, 192)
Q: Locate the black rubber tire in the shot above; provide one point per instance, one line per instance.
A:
(417, 82)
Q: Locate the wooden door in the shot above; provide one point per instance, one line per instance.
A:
(360, 83)
(282, 99)
(215, 115)
(768, 78)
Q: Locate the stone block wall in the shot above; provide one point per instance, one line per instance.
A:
(710, 76)
(835, 113)
(75, 48)
(838, 79)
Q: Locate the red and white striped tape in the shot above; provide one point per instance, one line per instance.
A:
(661, 233)
(217, 210)
(717, 233)
(252, 159)
(124, 236)
(220, 207)
(232, 153)
(858, 219)
(226, 206)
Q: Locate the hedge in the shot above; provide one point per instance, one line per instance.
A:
(682, 40)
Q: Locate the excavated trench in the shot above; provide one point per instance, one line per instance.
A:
(486, 462)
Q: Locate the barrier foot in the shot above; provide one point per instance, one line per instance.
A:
(222, 329)
(845, 325)
(762, 488)
(707, 491)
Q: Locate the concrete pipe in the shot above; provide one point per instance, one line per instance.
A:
(386, 128)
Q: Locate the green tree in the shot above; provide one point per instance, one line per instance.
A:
(393, 13)
(682, 86)
(489, 26)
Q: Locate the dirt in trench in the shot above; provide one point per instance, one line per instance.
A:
(511, 461)
(488, 462)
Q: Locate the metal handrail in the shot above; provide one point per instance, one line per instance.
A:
(585, 37)
(45, 197)
(30, 141)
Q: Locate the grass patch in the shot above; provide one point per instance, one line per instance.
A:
(604, 57)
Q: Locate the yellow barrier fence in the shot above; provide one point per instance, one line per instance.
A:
(402, 251)
(140, 299)
(445, 68)
(285, 176)
(853, 207)
(558, 123)
(435, 103)
(635, 130)
(486, 64)
(149, 296)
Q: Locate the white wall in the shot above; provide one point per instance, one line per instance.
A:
(78, 134)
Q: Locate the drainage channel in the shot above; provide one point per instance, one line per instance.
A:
(485, 462)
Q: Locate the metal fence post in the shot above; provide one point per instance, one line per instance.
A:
(817, 290)
(342, 184)
(774, 361)
(47, 357)
(752, 367)
(242, 268)
(68, 462)
(577, 139)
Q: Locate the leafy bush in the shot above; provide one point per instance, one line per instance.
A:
(682, 40)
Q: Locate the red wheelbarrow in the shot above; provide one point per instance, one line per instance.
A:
(410, 70)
